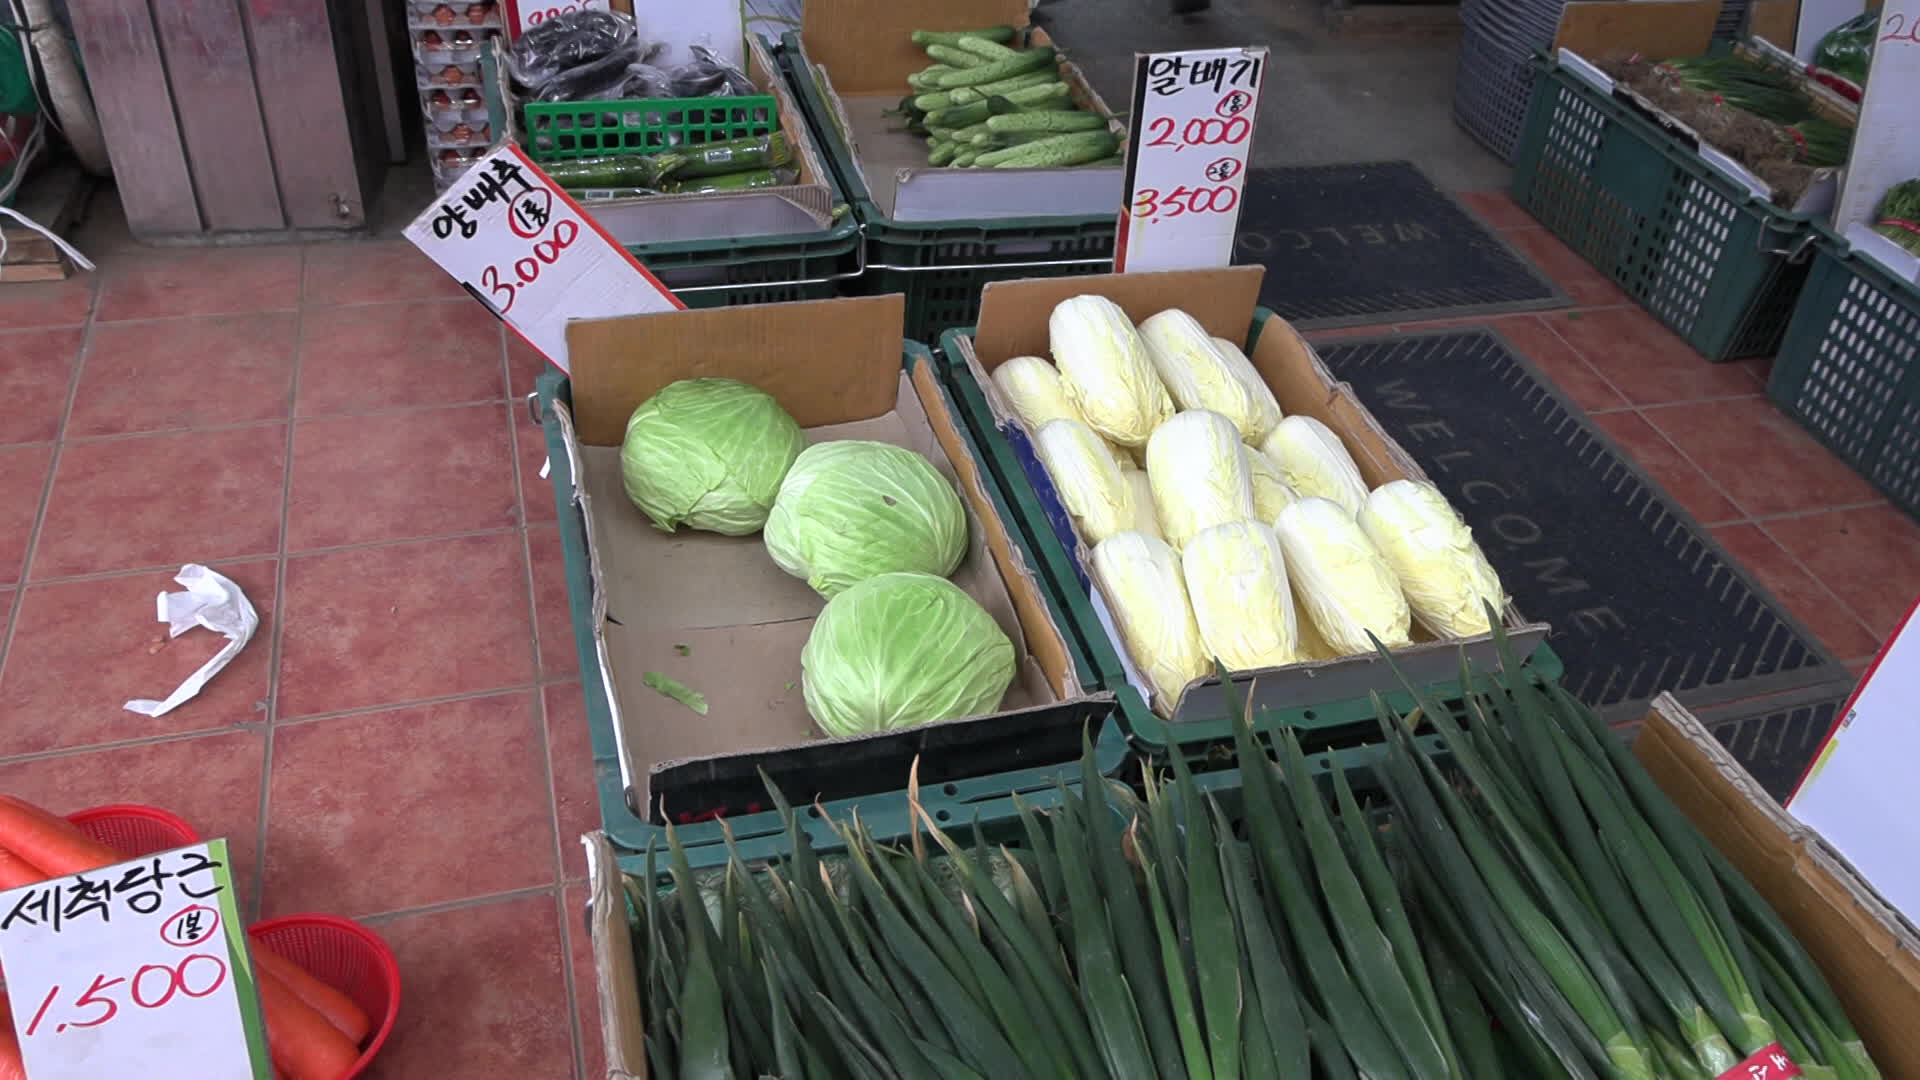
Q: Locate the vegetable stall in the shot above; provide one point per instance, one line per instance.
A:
(939, 640)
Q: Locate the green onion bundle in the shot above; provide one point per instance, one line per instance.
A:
(1898, 216)
(1511, 897)
(1820, 143)
(1751, 87)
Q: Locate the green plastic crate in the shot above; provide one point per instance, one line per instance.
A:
(1043, 523)
(941, 266)
(1718, 265)
(728, 271)
(558, 130)
(1033, 756)
(1849, 368)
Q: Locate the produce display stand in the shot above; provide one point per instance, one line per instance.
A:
(1018, 223)
(1328, 697)
(1714, 260)
(1866, 951)
(799, 242)
(715, 612)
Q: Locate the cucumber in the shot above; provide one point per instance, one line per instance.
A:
(962, 95)
(1053, 152)
(768, 151)
(960, 116)
(734, 181)
(934, 101)
(956, 57)
(923, 80)
(1028, 61)
(1039, 94)
(966, 158)
(943, 152)
(952, 37)
(614, 170)
(986, 50)
(1056, 122)
(965, 135)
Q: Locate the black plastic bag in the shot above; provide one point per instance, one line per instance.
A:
(709, 76)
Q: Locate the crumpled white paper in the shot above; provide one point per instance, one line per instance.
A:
(212, 601)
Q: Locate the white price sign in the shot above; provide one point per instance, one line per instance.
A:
(524, 15)
(1859, 792)
(1193, 123)
(525, 249)
(138, 969)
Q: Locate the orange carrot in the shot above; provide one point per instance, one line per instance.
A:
(11, 1067)
(337, 1007)
(53, 844)
(16, 871)
(300, 1041)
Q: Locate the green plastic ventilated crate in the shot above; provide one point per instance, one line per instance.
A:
(974, 774)
(1333, 707)
(1719, 265)
(941, 266)
(1849, 368)
(728, 271)
(558, 130)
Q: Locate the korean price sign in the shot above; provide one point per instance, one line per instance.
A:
(525, 249)
(1770, 1062)
(139, 969)
(1187, 159)
(524, 15)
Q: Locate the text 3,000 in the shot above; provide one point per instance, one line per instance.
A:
(527, 270)
(150, 987)
(1151, 203)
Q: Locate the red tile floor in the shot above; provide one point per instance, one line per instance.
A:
(339, 430)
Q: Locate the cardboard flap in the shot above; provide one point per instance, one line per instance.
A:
(825, 361)
(1013, 314)
(1869, 955)
(868, 44)
(622, 1029)
(1659, 28)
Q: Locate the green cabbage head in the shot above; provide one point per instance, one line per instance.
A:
(852, 509)
(708, 454)
(902, 649)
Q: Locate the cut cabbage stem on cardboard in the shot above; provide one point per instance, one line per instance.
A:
(670, 687)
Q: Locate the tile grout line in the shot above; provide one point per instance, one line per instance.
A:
(544, 722)
(278, 639)
(59, 752)
(19, 597)
(241, 425)
(1757, 522)
(465, 902)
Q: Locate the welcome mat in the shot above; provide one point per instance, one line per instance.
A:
(1777, 740)
(1350, 244)
(1640, 598)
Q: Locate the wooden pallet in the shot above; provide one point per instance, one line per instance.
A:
(56, 197)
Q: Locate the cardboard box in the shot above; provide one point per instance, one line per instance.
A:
(805, 206)
(714, 612)
(860, 53)
(1869, 955)
(1013, 322)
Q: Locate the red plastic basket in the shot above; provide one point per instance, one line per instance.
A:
(346, 956)
(133, 830)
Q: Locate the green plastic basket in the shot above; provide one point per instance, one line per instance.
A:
(1343, 715)
(941, 266)
(1022, 754)
(557, 130)
(728, 271)
(1849, 368)
(1718, 265)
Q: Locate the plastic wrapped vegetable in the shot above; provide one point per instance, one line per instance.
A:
(1315, 462)
(1199, 475)
(1898, 216)
(1142, 581)
(1847, 49)
(755, 152)
(1237, 581)
(1091, 485)
(1106, 371)
(1446, 577)
(570, 41)
(708, 76)
(1340, 579)
(1201, 375)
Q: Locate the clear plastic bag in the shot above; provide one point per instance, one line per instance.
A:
(575, 54)
(638, 81)
(1847, 50)
(709, 76)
